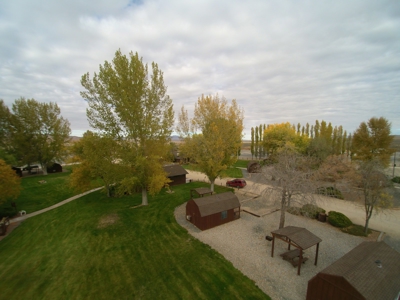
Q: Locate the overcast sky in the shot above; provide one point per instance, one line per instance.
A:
(295, 61)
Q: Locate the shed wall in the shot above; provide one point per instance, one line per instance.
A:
(330, 287)
(180, 179)
(210, 221)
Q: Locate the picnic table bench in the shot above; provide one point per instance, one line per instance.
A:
(5, 221)
(293, 256)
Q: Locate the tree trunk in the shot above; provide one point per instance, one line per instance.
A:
(144, 196)
(44, 168)
(283, 209)
(212, 185)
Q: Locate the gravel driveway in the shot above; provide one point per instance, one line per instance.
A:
(243, 243)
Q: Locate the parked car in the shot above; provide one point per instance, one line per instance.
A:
(239, 183)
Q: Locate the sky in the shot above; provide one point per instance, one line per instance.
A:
(291, 61)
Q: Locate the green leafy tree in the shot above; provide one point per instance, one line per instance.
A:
(10, 183)
(98, 157)
(257, 143)
(213, 135)
(38, 132)
(372, 140)
(132, 107)
(252, 143)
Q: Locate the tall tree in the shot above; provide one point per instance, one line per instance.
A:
(373, 183)
(213, 134)
(316, 129)
(10, 183)
(256, 143)
(260, 134)
(292, 180)
(98, 156)
(38, 132)
(277, 136)
(132, 107)
(252, 143)
(372, 140)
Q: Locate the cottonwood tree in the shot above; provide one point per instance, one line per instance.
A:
(373, 183)
(38, 132)
(372, 140)
(213, 134)
(98, 157)
(10, 183)
(132, 106)
(289, 180)
(278, 136)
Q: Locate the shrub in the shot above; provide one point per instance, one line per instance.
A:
(330, 191)
(294, 210)
(311, 211)
(8, 212)
(396, 179)
(338, 219)
(357, 230)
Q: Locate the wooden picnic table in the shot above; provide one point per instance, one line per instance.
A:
(293, 256)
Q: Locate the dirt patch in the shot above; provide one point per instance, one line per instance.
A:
(108, 220)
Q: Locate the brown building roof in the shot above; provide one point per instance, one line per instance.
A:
(217, 203)
(300, 236)
(174, 170)
(360, 267)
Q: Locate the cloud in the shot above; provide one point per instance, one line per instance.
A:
(294, 61)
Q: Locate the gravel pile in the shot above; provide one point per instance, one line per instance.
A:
(243, 243)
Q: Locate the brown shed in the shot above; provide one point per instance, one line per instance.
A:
(176, 173)
(371, 271)
(211, 211)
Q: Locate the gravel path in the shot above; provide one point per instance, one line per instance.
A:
(243, 243)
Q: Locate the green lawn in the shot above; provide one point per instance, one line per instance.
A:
(35, 195)
(67, 254)
(240, 163)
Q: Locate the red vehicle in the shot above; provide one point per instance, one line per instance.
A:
(239, 183)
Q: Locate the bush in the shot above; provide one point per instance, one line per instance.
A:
(396, 179)
(338, 219)
(330, 191)
(8, 212)
(311, 211)
(357, 230)
(294, 210)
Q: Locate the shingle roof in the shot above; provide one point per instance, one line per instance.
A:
(301, 236)
(174, 170)
(360, 268)
(217, 203)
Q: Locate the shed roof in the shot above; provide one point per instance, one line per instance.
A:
(360, 268)
(300, 236)
(217, 203)
(174, 170)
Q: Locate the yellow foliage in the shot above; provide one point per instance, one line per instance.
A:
(10, 183)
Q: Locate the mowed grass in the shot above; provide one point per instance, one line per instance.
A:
(101, 248)
(35, 196)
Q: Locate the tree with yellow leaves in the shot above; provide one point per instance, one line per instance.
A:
(10, 183)
(213, 135)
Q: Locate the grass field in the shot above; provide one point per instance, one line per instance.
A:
(35, 195)
(102, 248)
(232, 172)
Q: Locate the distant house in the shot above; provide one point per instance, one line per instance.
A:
(54, 168)
(176, 173)
(371, 271)
(212, 211)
